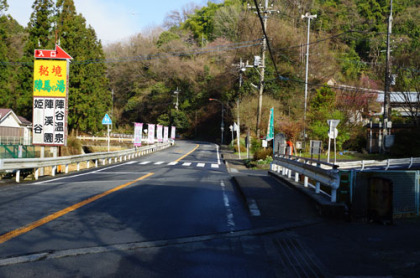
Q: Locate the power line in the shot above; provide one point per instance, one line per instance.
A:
(198, 51)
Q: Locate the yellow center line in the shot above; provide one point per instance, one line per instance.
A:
(51, 217)
(184, 156)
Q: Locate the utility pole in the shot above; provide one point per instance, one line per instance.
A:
(266, 11)
(309, 17)
(387, 97)
(242, 68)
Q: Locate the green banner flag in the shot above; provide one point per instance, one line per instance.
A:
(270, 129)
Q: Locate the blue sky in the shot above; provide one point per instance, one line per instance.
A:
(113, 20)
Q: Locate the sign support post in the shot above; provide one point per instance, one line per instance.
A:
(107, 121)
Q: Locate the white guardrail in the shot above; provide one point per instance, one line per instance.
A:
(18, 164)
(385, 164)
(320, 172)
(326, 173)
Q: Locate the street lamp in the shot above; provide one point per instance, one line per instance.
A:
(309, 17)
(222, 124)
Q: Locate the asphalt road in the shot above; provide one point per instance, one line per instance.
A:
(173, 213)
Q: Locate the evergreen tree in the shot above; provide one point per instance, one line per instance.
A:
(89, 96)
(40, 36)
(4, 67)
(11, 40)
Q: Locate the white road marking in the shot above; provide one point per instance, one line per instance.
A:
(214, 166)
(186, 164)
(144, 162)
(79, 175)
(130, 162)
(229, 213)
(173, 163)
(218, 155)
(159, 162)
(201, 164)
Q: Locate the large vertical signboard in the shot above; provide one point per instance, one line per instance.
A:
(50, 97)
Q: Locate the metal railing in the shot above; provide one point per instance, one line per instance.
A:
(20, 164)
(382, 164)
(321, 172)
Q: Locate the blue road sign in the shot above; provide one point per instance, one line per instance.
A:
(106, 120)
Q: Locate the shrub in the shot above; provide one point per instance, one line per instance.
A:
(74, 146)
(263, 153)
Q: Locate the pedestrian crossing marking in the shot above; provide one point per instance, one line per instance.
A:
(185, 164)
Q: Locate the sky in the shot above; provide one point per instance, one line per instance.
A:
(113, 20)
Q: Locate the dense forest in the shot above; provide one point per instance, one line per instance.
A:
(167, 74)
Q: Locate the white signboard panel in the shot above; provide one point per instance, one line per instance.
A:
(49, 121)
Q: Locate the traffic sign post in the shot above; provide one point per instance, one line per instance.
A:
(332, 134)
(107, 121)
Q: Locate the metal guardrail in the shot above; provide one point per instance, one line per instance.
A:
(321, 172)
(326, 173)
(385, 164)
(37, 163)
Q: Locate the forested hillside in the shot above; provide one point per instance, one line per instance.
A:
(196, 53)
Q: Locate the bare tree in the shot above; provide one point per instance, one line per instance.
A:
(175, 18)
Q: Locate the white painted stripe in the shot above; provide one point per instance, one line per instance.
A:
(253, 208)
(186, 164)
(144, 162)
(130, 162)
(79, 175)
(229, 214)
(214, 166)
(159, 162)
(201, 164)
(173, 163)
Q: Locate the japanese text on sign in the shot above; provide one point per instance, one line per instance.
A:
(50, 78)
(49, 121)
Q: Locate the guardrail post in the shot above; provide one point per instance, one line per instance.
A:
(305, 181)
(78, 166)
(87, 164)
(53, 169)
(333, 195)
(36, 174)
(289, 173)
(103, 161)
(318, 187)
(18, 176)
(296, 177)
(109, 160)
(67, 169)
(96, 163)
